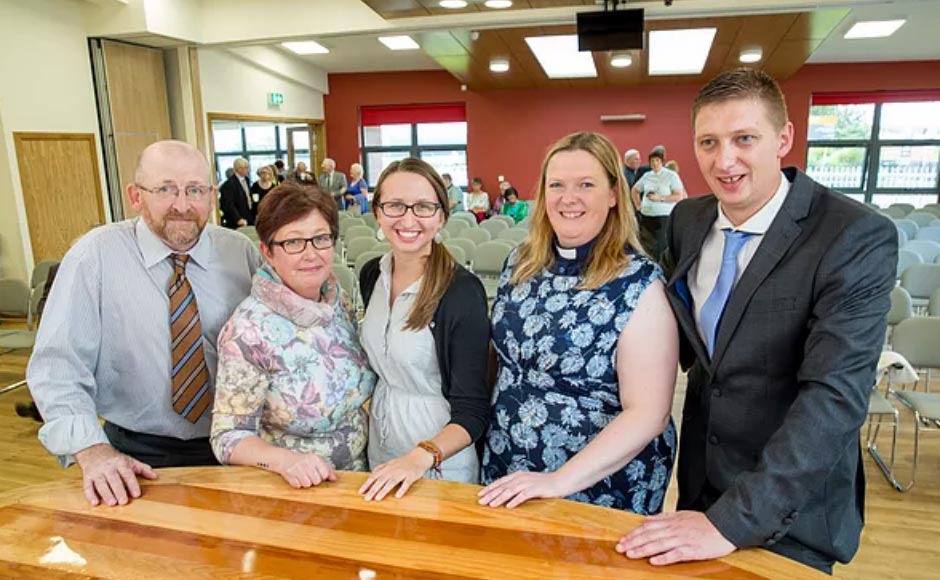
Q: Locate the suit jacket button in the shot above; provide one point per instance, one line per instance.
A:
(788, 521)
(716, 392)
(713, 439)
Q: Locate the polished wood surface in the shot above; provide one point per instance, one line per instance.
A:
(899, 541)
(61, 189)
(245, 522)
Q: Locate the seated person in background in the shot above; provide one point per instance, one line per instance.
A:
(501, 198)
(427, 335)
(660, 190)
(514, 208)
(260, 188)
(454, 193)
(587, 348)
(355, 194)
(130, 329)
(280, 171)
(292, 377)
(478, 201)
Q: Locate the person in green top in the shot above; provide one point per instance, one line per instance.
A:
(454, 193)
(512, 207)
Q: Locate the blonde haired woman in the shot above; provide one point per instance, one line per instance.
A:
(587, 348)
(426, 333)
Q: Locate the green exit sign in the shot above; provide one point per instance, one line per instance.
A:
(275, 99)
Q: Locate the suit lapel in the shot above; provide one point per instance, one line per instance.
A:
(784, 230)
(678, 288)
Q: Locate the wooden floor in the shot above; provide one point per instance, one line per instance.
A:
(901, 538)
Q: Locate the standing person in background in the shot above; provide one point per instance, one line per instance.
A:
(332, 181)
(427, 335)
(478, 201)
(660, 191)
(631, 163)
(281, 171)
(355, 194)
(129, 331)
(501, 198)
(292, 378)
(673, 166)
(641, 170)
(235, 197)
(781, 287)
(454, 194)
(260, 188)
(514, 208)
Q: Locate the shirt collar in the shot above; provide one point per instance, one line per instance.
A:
(571, 260)
(154, 250)
(760, 222)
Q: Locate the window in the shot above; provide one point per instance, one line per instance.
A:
(881, 148)
(259, 142)
(434, 133)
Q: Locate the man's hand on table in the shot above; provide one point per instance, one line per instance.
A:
(109, 476)
(675, 537)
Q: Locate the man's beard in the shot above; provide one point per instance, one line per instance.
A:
(179, 234)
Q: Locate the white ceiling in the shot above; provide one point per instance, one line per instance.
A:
(916, 40)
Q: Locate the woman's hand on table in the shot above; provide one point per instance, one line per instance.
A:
(521, 486)
(302, 470)
(400, 472)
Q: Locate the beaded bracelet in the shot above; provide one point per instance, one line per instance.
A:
(435, 452)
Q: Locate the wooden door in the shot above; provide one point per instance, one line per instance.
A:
(61, 189)
(140, 113)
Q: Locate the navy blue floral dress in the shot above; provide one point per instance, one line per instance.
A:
(557, 386)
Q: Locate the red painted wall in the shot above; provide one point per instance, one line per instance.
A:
(509, 131)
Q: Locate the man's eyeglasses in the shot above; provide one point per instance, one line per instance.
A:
(193, 192)
(396, 209)
(298, 245)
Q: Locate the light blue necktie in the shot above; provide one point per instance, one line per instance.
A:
(714, 306)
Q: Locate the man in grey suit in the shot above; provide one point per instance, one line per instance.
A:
(333, 181)
(781, 287)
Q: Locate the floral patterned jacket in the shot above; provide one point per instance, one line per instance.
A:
(291, 371)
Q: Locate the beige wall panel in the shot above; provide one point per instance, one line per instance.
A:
(140, 111)
(61, 189)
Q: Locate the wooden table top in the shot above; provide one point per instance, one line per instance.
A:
(238, 522)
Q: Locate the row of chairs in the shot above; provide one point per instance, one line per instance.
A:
(902, 210)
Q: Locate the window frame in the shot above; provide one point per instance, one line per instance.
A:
(280, 151)
(413, 150)
(872, 162)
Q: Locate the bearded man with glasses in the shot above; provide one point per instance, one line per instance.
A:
(130, 327)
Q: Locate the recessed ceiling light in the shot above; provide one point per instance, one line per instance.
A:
(874, 28)
(620, 60)
(560, 58)
(749, 55)
(498, 3)
(679, 52)
(305, 47)
(499, 65)
(452, 4)
(399, 42)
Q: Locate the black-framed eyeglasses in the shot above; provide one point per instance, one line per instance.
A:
(422, 209)
(298, 245)
(171, 191)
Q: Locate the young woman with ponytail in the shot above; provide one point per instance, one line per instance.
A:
(426, 333)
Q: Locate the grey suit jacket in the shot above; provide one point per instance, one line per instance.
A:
(336, 185)
(770, 426)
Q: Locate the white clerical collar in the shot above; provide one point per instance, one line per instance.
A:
(760, 222)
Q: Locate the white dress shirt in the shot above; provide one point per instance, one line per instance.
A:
(704, 272)
(103, 347)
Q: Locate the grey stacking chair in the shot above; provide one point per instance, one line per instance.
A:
(927, 249)
(906, 259)
(905, 207)
(347, 281)
(931, 233)
(465, 216)
(458, 253)
(476, 235)
(921, 218)
(918, 340)
(515, 235)
(455, 227)
(346, 224)
(357, 247)
(488, 263)
(921, 280)
(910, 227)
(356, 232)
(494, 227)
(504, 218)
(894, 212)
(469, 247)
(14, 299)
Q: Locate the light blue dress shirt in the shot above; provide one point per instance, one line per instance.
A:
(103, 347)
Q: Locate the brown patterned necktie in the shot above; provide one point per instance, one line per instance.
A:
(189, 374)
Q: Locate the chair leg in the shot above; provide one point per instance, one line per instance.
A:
(12, 387)
(886, 469)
